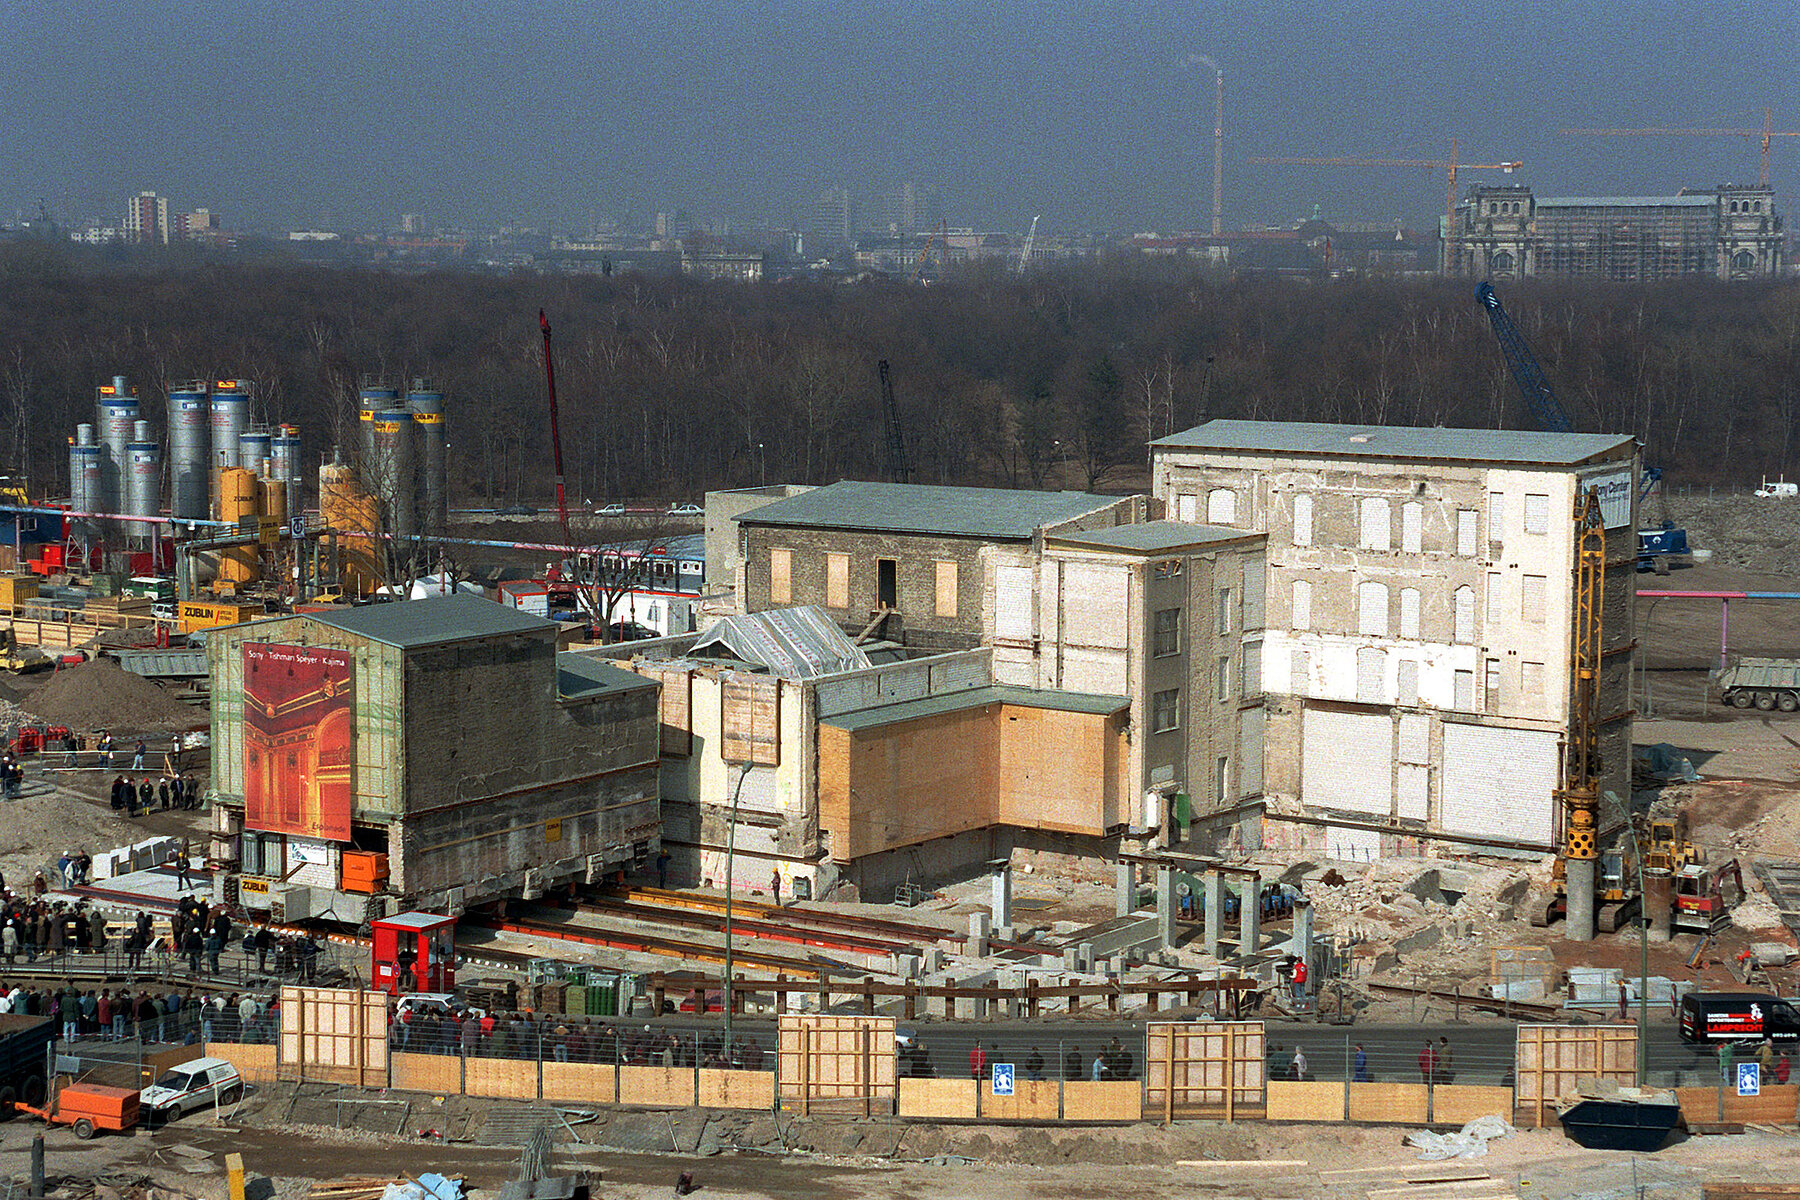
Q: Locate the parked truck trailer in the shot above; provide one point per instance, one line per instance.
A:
(24, 1042)
(1765, 683)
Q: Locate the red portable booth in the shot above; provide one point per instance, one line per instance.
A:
(422, 944)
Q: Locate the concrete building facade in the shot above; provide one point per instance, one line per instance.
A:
(904, 561)
(1418, 600)
(1727, 232)
(482, 762)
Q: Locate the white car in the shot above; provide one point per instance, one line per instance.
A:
(686, 510)
(197, 1083)
(610, 510)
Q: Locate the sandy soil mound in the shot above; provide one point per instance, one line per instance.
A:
(102, 695)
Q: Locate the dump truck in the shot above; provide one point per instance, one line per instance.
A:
(24, 1056)
(1765, 683)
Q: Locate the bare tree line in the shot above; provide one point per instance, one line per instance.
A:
(1054, 379)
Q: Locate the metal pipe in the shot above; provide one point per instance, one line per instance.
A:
(730, 860)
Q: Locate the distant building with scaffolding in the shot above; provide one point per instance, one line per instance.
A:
(1727, 232)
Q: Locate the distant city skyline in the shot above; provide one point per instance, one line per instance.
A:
(1095, 117)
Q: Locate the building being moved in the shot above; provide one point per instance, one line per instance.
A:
(432, 754)
(1414, 674)
(1727, 232)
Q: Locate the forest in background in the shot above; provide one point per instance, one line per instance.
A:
(670, 386)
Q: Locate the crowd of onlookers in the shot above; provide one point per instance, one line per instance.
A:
(154, 795)
(555, 1037)
(124, 1014)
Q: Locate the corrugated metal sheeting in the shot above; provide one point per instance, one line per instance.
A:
(794, 643)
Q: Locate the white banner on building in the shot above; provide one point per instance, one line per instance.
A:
(1615, 496)
(305, 851)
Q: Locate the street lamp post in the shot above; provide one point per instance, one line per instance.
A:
(730, 862)
(1643, 1021)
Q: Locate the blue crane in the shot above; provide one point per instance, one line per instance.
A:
(1658, 549)
(1545, 408)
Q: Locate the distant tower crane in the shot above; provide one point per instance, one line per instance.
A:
(1449, 166)
(899, 469)
(1766, 134)
(1030, 240)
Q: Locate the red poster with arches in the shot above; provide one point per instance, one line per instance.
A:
(297, 740)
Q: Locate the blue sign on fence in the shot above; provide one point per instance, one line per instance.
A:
(1003, 1079)
(1749, 1079)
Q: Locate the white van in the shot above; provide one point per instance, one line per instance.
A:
(1779, 488)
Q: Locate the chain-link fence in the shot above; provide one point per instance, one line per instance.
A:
(285, 962)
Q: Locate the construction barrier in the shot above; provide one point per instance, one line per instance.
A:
(1213, 1070)
(1036, 1100)
(1385, 1103)
(254, 1061)
(1775, 1105)
(1554, 1062)
(837, 1063)
(587, 1082)
(939, 1099)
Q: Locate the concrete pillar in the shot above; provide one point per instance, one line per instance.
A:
(978, 934)
(1002, 902)
(1215, 910)
(1250, 914)
(1659, 906)
(1301, 945)
(1071, 958)
(1084, 957)
(1124, 888)
(1015, 980)
(1165, 907)
(1580, 876)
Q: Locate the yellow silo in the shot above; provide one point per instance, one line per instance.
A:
(238, 502)
(345, 505)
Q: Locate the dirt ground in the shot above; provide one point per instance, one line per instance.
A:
(1139, 1161)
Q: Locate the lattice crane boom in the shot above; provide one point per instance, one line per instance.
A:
(1766, 136)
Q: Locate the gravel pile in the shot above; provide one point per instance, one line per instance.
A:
(1741, 531)
(101, 695)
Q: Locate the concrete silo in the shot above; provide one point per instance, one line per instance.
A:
(427, 406)
(190, 424)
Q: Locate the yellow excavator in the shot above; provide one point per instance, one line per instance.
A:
(18, 657)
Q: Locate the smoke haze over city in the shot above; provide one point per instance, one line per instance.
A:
(558, 115)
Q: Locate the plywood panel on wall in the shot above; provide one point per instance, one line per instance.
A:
(256, 1063)
(501, 1077)
(736, 1089)
(1054, 769)
(938, 1099)
(1709, 1105)
(750, 721)
(583, 1083)
(830, 1062)
(440, 1073)
(1217, 1069)
(1032, 1100)
(657, 1087)
(1290, 1100)
(334, 1035)
(1106, 1100)
(1390, 1103)
(908, 782)
(1553, 1062)
(1460, 1103)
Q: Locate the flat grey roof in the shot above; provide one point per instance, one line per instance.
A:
(1307, 439)
(1157, 537)
(434, 620)
(946, 702)
(919, 508)
(583, 677)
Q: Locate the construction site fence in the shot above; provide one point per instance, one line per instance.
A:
(160, 966)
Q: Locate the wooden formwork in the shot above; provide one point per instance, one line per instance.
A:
(837, 1063)
(1552, 1062)
(333, 1035)
(586, 1083)
(1205, 1069)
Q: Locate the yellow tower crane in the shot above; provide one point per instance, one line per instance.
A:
(1581, 766)
(1767, 134)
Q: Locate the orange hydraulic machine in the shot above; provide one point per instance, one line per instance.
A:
(413, 952)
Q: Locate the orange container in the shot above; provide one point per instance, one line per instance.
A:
(363, 871)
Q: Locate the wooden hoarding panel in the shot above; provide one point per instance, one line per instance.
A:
(1295, 1101)
(829, 1062)
(1217, 1069)
(1458, 1104)
(1032, 1100)
(676, 705)
(657, 1087)
(439, 1073)
(581, 1083)
(505, 1078)
(333, 1035)
(938, 1099)
(736, 1089)
(1106, 1100)
(750, 719)
(255, 1062)
(1710, 1105)
(1553, 1063)
(1390, 1103)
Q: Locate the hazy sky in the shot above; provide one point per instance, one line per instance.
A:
(545, 111)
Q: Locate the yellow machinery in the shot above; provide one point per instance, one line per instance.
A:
(345, 504)
(195, 615)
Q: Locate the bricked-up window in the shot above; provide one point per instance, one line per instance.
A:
(1464, 629)
(837, 581)
(1464, 698)
(1300, 609)
(1221, 507)
(1166, 634)
(1224, 612)
(781, 577)
(1490, 684)
(946, 589)
(1496, 516)
(1222, 680)
(1303, 519)
(1376, 525)
(1409, 612)
(1531, 682)
(1531, 598)
(1412, 527)
(1165, 711)
(1496, 596)
(1537, 513)
(1468, 522)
